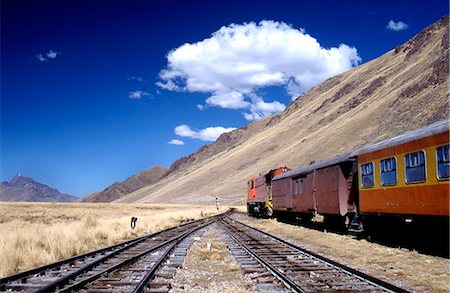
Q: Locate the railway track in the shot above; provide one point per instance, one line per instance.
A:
(148, 264)
(278, 265)
(141, 264)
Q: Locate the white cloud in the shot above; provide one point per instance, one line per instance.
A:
(40, 57)
(207, 134)
(260, 109)
(200, 107)
(138, 94)
(137, 78)
(237, 60)
(230, 100)
(52, 55)
(168, 85)
(176, 142)
(184, 131)
(396, 26)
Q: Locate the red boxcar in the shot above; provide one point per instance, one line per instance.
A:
(321, 188)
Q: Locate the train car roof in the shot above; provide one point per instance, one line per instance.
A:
(315, 166)
(432, 129)
(429, 130)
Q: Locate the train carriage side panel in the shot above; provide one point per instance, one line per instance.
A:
(281, 195)
(260, 194)
(303, 192)
(333, 195)
(429, 197)
(327, 194)
(348, 188)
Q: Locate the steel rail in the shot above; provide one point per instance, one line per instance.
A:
(58, 284)
(54, 285)
(143, 283)
(141, 286)
(84, 282)
(288, 283)
(81, 284)
(42, 269)
(149, 275)
(360, 275)
(115, 249)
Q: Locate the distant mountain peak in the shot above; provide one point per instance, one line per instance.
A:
(19, 178)
(132, 183)
(22, 188)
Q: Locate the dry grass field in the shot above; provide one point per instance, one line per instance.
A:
(34, 234)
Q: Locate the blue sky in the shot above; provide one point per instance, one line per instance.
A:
(93, 91)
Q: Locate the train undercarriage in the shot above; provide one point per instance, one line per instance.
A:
(259, 209)
(425, 234)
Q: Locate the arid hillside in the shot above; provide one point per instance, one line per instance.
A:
(131, 184)
(404, 89)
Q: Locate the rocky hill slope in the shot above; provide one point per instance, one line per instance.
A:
(404, 89)
(22, 188)
(132, 183)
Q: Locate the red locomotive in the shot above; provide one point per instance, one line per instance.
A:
(259, 200)
(405, 178)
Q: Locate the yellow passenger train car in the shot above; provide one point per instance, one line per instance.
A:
(407, 175)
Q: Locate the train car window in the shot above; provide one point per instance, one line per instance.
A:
(388, 169)
(367, 178)
(443, 162)
(295, 187)
(250, 184)
(415, 167)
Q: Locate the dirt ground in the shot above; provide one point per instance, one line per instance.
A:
(209, 267)
(404, 268)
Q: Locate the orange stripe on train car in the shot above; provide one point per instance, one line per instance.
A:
(420, 200)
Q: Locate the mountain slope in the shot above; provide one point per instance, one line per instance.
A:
(404, 89)
(22, 188)
(131, 184)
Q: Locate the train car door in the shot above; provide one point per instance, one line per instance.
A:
(290, 197)
(303, 189)
(327, 190)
